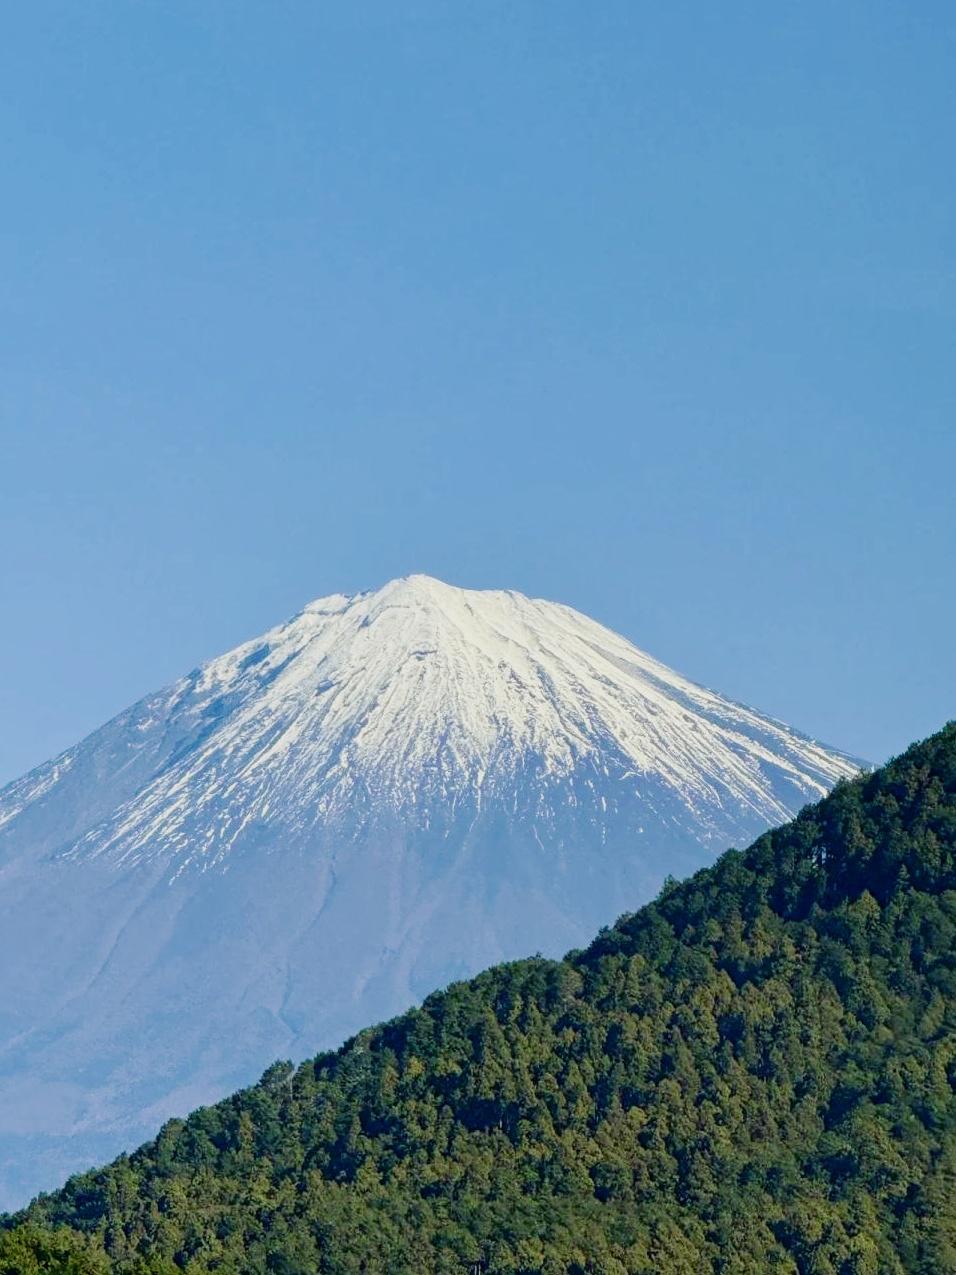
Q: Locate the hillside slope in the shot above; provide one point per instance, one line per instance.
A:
(754, 1073)
(393, 789)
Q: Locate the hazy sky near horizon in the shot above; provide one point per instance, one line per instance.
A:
(646, 308)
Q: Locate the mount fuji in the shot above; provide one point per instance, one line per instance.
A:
(316, 829)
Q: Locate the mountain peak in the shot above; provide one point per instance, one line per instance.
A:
(417, 584)
(415, 590)
(388, 791)
(420, 699)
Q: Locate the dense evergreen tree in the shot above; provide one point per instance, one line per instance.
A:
(754, 1073)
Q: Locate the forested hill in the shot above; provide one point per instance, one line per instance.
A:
(755, 1073)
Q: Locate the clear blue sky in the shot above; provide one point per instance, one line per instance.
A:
(645, 307)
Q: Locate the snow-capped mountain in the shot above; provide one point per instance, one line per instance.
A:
(314, 830)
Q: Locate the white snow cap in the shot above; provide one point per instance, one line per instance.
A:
(423, 696)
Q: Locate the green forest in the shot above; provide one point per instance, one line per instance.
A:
(755, 1073)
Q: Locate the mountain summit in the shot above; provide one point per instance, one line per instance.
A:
(313, 830)
(415, 702)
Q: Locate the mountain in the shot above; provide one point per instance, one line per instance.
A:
(311, 832)
(755, 1073)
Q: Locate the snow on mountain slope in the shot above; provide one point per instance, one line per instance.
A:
(412, 701)
(311, 831)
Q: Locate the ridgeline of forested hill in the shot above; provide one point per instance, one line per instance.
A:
(755, 1073)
